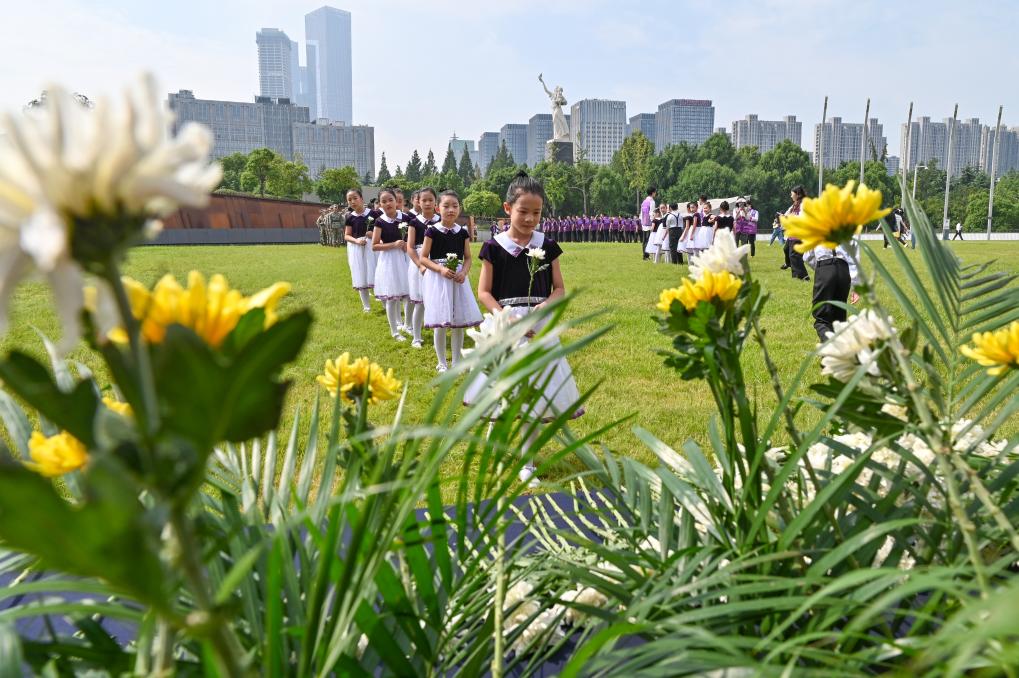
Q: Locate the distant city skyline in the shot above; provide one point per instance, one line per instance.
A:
(207, 47)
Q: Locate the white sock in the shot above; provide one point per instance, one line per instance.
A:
(418, 311)
(406, 312)
(365, 299)
(393, 315)
(457, 343)
(439, 339)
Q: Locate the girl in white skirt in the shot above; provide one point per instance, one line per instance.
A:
(391, 272)
(705, 230)
(506, 282)
(690, 221)
(425, 200)
(449, 300)
(360, 256)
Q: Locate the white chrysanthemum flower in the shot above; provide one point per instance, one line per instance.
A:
(897, 411)
(855, 343)
(722, 256)
(536, 253)
(64, 166)
(583, 596)
(492, 330)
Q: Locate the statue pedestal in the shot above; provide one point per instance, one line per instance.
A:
(559, 151)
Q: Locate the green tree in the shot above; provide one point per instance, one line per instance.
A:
(792, 165)
(706, 176)
(875, 175)
(555, 177)
(667, 165)
(384, 176)
(747, 157)
(399, 173)
(502, 159)
(332, 184)
(482, 204)
(580, 178)
(498, 180)
(259, 168)
(718, 148)
(609, 193)
(413, 172)
(449, 163)
(288, 179)
(367, 179)
(430, 167)
(466, 170)
(766, 189)
(634, 163)
(233, 167)
(451, 181)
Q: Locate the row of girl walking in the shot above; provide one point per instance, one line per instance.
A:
(419, 263)
(675, 232)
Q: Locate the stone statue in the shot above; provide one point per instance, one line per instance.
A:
(560, 128)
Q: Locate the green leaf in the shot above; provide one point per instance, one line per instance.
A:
(10, 652)
(72, 411)
(107, 536)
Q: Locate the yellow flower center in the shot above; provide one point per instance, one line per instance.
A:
(997, 351)
(721, 287)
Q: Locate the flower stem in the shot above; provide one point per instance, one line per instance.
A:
(140, 354)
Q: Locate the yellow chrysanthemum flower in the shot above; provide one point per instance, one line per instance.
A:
(997, 350)
(350, 378)
(120, 408)
(835, 217)
(56, 455)
(711, 287)
(212, 310)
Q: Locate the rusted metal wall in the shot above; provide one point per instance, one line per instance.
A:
(238, 211)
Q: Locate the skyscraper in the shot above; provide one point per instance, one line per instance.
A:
(458, 145)
(515, 137)
(328, 30)
(765, 134)
(689, 120)
(275, 63)
(643, 123)
(488, 146)
(842, 142)
(925, 142)
(597, 128)
(539, 132)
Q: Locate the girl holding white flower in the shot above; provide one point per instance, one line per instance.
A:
(391, 286)
(449, 300)
(520, 271)
(360, 256)
(425, 201)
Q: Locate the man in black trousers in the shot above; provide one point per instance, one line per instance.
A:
(834, 277)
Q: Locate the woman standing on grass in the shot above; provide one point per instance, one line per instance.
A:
(723, 222)
(360, 255)
(449, 300)
(391, 273)
(416, 227)
(506, 282)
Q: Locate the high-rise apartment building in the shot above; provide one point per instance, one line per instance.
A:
(925, 142)
(1005, 157)
(539, 133)
(488, 146)
(275, 63)
(458, 145)
(643, 123)
(597, 129)
(279, 124)
(842, 141)
(766, 134)
(678, 120)
(514, 135)
(328, 32)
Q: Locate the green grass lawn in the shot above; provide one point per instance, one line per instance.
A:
(604, 277)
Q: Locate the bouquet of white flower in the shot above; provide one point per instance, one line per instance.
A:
(452, 261)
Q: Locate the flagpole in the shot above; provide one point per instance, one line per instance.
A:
(863, 140)
(994, 166)
(948, 172)
(820, 149)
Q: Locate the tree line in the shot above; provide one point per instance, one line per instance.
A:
(681, 172)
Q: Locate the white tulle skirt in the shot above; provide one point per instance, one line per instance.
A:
(560, 393)
(414, 281)
(361, 260)
(702, 238)
(449, 303)
(391, 275)
(683, 246)
(654, 242)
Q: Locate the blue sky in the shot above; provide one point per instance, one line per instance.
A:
(425, 69)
